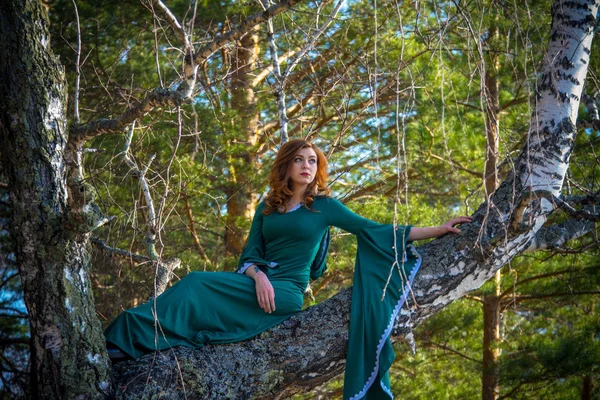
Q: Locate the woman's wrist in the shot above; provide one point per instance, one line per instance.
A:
(257, 272)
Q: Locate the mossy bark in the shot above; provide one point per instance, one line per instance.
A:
(68, 357)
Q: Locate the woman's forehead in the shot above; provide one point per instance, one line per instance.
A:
(306, 152)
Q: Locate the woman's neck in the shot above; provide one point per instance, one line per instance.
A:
(298, 195)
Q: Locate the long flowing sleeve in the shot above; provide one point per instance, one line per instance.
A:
(254, 251)
(386, 265)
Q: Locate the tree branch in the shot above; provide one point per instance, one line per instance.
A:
(554, 236)
(158, 97)
(172, 20)
(543, 276)
(101, 244)
(161, 97)
(550, 295)
(451, 350)
(206, 51)
(577, 214)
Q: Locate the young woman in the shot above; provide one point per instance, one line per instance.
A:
(286, 246)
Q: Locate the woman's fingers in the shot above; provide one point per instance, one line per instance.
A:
(272, 300)
(460, 220)
(265, 296)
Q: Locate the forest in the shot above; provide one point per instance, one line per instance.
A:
(135, 142)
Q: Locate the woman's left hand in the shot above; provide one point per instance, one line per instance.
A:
(449, 226)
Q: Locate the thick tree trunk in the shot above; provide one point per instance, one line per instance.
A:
(310, 347)
(241, 201)
(48, 221)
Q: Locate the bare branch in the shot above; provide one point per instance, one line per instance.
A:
(279, 89)
(192, 228)
(310, 44)
(202, 54)
(159, 97)
(451, 350)
(554, 236)
(543, 276)
(576, 214)
(551, 295)
(266, 71)
(456, 165)
(172, 20)
(77, 69)
(513, 102)
(101, 244)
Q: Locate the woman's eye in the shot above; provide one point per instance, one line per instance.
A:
(312, 161)
(298, 159)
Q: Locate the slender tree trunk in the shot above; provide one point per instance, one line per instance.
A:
(241, 200)
(48, 227)
(491, 341)
(491, 309)
(587, 390)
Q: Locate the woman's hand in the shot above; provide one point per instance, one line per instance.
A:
(436, 231)
(264, 292)
(449, 226)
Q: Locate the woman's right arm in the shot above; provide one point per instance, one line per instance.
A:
(264, 290)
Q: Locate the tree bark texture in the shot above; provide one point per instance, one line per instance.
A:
(68, 354)
(310, 347)
(491, 341)
(241, 201)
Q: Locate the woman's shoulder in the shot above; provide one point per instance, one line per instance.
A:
(326, 201)
(322, 198)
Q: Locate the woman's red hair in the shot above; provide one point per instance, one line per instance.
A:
(279, 180)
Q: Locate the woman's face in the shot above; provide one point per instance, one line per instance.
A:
(303, 168)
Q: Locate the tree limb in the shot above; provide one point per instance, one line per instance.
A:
(172, 20)
(577, 214)
(554, 236)
(206, 51)
(101, 244)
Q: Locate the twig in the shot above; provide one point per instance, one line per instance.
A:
(279, 92)
(141, 175)
(576, 214)
(77, 69)
(451, 350)
(172, 20)
(192, 228)
(202, 54)
(310, 44)
(101, 244)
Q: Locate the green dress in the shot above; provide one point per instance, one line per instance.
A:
(212, 307)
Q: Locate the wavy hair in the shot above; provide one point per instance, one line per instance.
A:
(279, 178)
